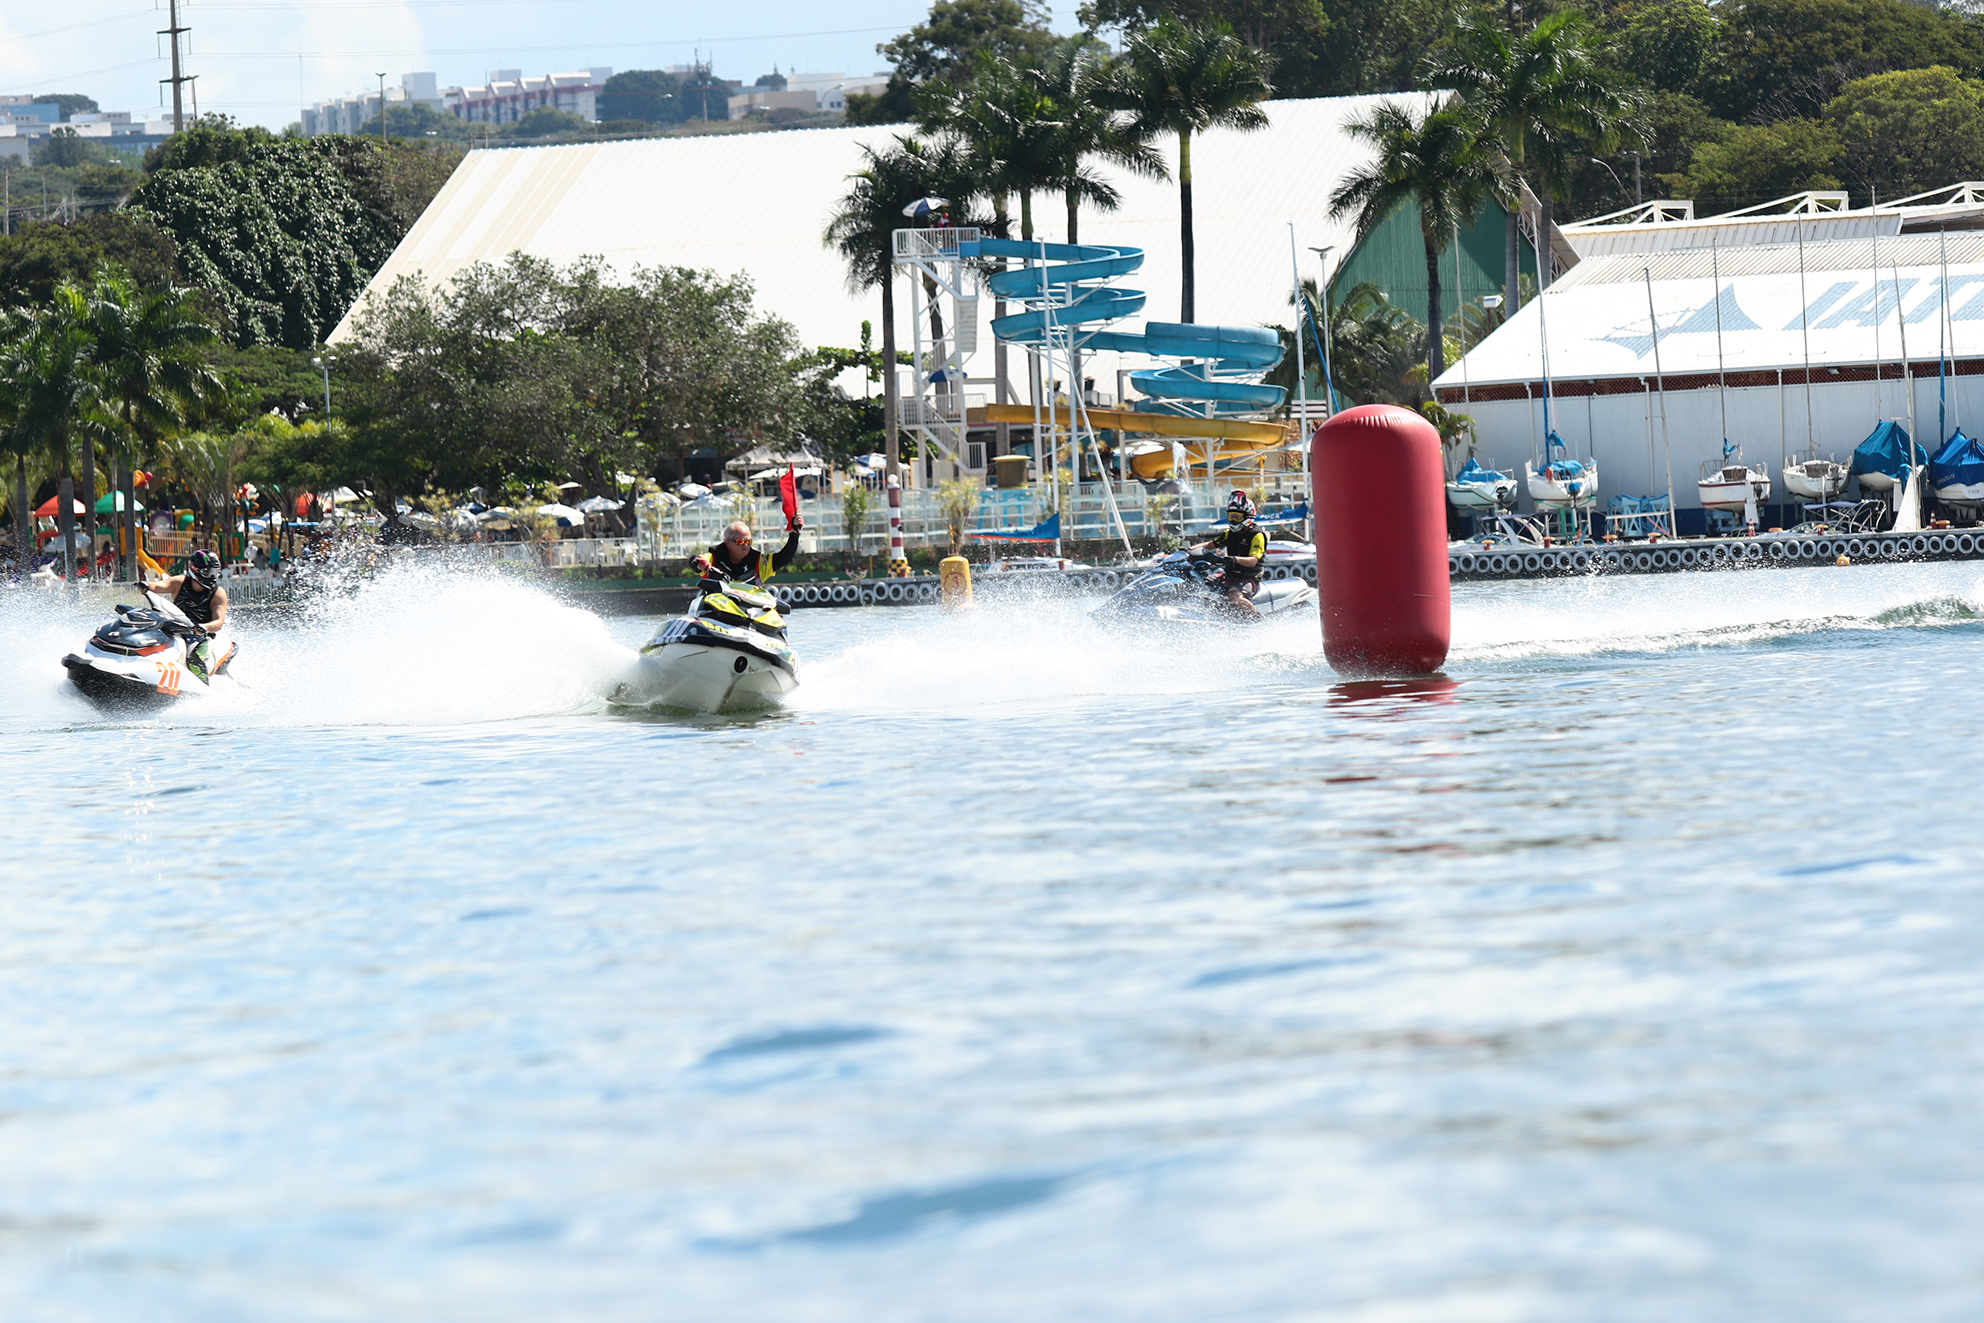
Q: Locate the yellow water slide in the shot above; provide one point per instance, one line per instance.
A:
(1237, 440)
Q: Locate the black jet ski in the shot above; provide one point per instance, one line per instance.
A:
(1187, 588)
(138, 660)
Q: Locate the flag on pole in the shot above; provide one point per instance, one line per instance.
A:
(788, 493)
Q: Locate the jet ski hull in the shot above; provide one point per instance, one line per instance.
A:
(707, 666)
(137, 684)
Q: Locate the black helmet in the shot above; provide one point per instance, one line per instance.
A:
(204, 566)
(1239, 508)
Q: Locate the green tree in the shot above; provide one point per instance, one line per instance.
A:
(417, 119)
(1908, 131)
(36, 258)
(51, 396)
(1788, 58)
(1542, 90)
(1754, 163)
(1276, 28)
(1184, 80)
(1439, 163)
(1668, 44)
(148, 351)
(547, 121)
(65, 147)
(943, 52)
(1378, 350)
(652, 96)
(866, 217)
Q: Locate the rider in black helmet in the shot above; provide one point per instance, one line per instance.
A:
(198, 593)
(1244, 547)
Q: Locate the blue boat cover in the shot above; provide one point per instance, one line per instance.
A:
(1886, 450)
(1047, 530)
(1473, 472)
(1960, 461)
(1559, 470)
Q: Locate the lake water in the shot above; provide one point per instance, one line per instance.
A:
(1018, 971)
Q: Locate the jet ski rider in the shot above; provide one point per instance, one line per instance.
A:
(1243, 547)
(198, 593)
(734, 560)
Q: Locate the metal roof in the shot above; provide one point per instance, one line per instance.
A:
(758, 203)
(1597, 320)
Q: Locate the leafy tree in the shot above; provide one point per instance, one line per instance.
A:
(1542, 90)
(50, 395)
(1908, 131)
(652, 96)
(285, 233)
(546, 121)
(1439, 163)
(417, 119)
(1788, 58)
(39, 257)
(1757, 162)
(944, 50)
(1274, 27)
(65, 147)
(1075, 82)
(1672, 126)
(1378, 350)
(866, 217)
(1668, 44)
(68, 103)
(1369, 46)
(1184, 80)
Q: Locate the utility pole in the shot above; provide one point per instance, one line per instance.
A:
(178, 77)
(382, 110)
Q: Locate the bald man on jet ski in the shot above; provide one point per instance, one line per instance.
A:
(736, 561)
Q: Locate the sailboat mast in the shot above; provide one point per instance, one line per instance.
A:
(1942, 337)
(1660, 383)
(1907, 370)
(1805, 330)
(1880, 364)
(1721, 375)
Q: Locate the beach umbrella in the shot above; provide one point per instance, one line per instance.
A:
(112, 502)
(924, 208)
(599, 504)
(47, 509)
(566, 516)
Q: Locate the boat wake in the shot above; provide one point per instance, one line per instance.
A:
(407, 646)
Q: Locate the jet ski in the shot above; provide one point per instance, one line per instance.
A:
(1184, 588)
(138, 660)
(725, 653)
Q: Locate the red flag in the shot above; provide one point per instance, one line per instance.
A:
(788, 493)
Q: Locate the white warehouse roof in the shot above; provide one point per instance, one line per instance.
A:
(759, 202)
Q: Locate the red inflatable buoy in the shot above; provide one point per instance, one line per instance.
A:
(1379, 493)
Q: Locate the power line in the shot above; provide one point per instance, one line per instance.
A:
(87, 23)
(568, 46)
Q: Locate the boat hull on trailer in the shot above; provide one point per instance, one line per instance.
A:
(1499, 494)
(1733, 487)
(1815, 479)
(1563, 485)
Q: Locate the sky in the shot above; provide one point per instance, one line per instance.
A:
(262, 60)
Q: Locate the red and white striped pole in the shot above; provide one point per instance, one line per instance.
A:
(896, 553)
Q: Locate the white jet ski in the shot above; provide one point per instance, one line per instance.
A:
(727, 652)
(138, 660)
(1183, 589)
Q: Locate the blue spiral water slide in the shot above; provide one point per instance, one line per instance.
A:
(1068, 301)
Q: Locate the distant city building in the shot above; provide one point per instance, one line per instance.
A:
(809, 92)
(352, 113)
(508, 96)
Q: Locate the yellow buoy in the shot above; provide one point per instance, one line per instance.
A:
(1843, 561)
(956, 576)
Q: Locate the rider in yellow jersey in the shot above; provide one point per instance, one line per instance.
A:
(1243, 547)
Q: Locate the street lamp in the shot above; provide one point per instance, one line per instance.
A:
(1329, 381)
(382, 110)
(324, 366)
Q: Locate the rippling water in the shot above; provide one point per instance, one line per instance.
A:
(1018, 971)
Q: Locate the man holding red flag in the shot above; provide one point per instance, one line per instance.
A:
(734, 558)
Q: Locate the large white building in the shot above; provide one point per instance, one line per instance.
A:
(352, 113)
(508, 96)
(770, 196)
(1788, 332)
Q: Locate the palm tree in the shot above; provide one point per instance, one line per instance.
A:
(145, 351)
(1541, 85)
(204, 464)
(53, 395)
(862, 230)
(1438, 162)
(1181, 79)
(1075, 83)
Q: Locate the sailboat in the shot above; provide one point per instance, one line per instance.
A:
(1732, 484)
(1562, 483)
(1477, 489)
(1956, 474)
(1815, 479)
